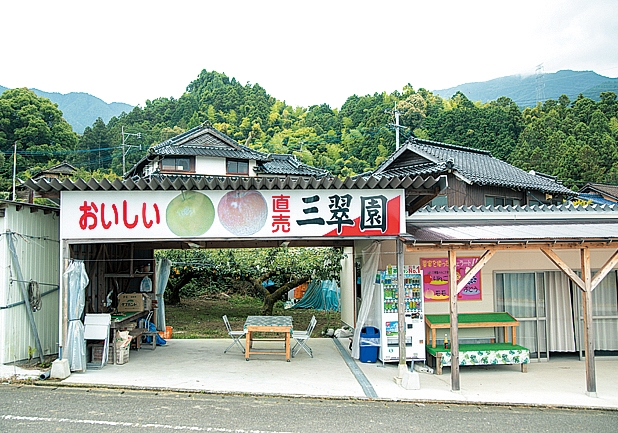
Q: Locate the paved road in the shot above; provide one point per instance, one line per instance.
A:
(36, 409)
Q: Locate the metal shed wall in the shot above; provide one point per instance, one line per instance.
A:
(35, 233)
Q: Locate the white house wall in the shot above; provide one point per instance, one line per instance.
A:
(210, 166)
(37, 247)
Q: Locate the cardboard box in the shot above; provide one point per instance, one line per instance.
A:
(122, 355)
(133, 302)
(96, 352)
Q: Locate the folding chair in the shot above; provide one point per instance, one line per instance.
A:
(235, 335)
(96, 328)
(302, 337)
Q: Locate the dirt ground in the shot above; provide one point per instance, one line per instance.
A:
(201, 317)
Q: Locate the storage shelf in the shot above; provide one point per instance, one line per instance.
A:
(136, 275)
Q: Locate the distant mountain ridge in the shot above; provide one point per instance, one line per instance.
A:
(82, 109)
(523, 89)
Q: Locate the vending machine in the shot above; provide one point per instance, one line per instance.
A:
(414, 315)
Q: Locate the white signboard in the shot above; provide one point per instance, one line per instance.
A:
(231, 214)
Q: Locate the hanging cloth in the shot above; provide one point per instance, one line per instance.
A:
(371, 260)
(75, 350)
(34, 295)
(163, 268)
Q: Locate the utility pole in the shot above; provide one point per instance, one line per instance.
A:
(127, 134)
(14, 167)
(396, 125)
(540, 85)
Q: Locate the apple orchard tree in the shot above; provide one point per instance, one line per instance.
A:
(269, 272)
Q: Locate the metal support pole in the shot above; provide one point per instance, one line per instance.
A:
(401, 311)
(452, 285)
(24, 293)
(64, 297)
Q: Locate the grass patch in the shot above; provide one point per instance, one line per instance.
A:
(201, 317)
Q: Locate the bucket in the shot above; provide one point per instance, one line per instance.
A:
(167, 335)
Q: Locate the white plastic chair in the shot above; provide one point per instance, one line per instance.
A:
(235, 335)
(302, 337)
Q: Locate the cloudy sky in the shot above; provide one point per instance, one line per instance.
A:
(302, 52)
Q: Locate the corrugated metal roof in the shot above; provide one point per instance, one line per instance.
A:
(549, 232)
(161, 182)
(477, 166)
(508, 224)
(595, 198)
(601, 189)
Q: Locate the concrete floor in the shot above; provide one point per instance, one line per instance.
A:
(201, 365)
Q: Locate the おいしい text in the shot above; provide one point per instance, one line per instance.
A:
(93, 214)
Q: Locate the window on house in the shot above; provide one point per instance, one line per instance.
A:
(175, 163)
(501, 201)
(235, 166)
(439, 201)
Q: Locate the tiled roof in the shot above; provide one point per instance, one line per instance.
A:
(476, 166)
(288, 165)
(206, 141)
(521, 213)
(202, 140)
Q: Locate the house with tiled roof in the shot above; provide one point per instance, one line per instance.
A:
(475, 177)
(599, 193)
(205, 151)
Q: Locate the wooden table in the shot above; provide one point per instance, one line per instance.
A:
(434, 322)
(120, 321)
(268, 325)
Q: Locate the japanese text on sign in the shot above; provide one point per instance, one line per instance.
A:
(436, 276)
(93, 214)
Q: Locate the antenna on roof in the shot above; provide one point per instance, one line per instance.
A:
(248, 141)
(540, 84)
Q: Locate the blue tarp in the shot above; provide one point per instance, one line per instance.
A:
(151, 327)
(320, 295)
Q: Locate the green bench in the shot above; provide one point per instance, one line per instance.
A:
(480, 354)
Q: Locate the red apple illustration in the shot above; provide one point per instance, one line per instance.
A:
(243, 213)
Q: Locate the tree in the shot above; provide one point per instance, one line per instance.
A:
(267, 272)
(94, 150)
(36, 125)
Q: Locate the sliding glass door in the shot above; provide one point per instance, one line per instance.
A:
(522, 295)
(549, 309)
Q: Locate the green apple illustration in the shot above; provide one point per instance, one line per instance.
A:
(190, 213)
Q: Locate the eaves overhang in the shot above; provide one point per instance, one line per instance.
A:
(412, 185)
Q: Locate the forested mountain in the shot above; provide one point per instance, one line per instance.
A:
(574, 139)
(82, 109)
(523, 90)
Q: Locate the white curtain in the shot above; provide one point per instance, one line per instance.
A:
(516, 295)
(163, 268)
(371, 261)
(75, 350)
(559, 312)
(605, 305)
